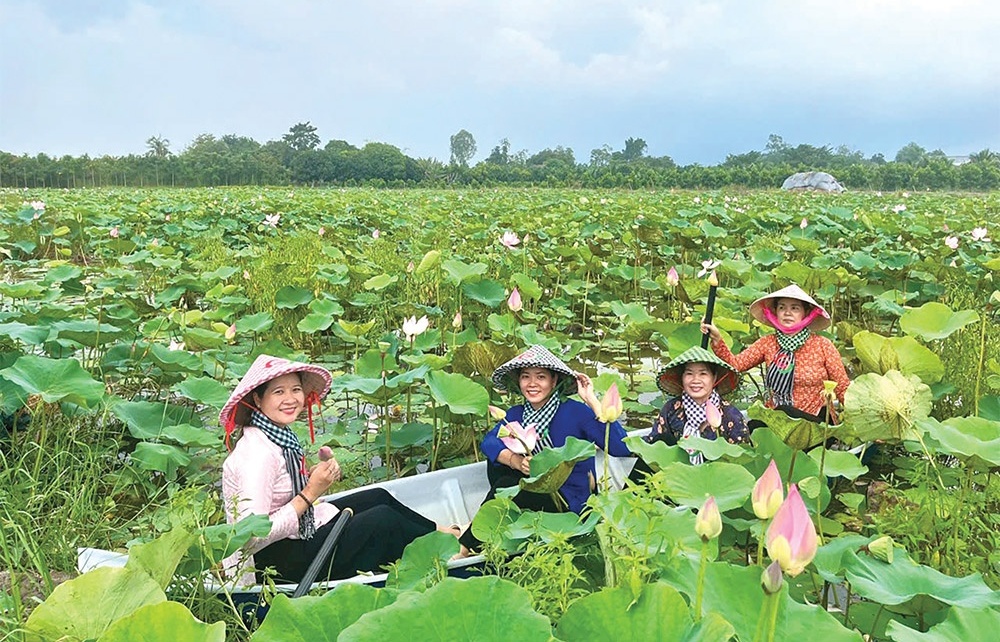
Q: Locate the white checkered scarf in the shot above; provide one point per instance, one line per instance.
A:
(694, 418)
(542, 420)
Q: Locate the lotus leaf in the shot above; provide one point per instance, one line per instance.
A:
(657, 613)
(734, 593)
(84, 607)
(461, 395)
(430, 261)
(798, 434)
(459, 272)
(492, 609)
(839, 463)
(146, 419)
(486, 291)
(356, 329)
(204, 390)
(162, 458)
(23, 290)
(658, 455)
(552, 466)
(164, 622)
(880, 354)
(549, 527)
(689, 485)
(884, 407)
(32, 335)
(321, 618)
(160, 557)
(202, 338)
(960, 624)
(974, 440)
(56, 380)
(493, 521)
(380, 282)
(989, 408)
(174, 361)
(315, 322)
(935, 321)
(407, 436)
(502, 325)
(424, 561)
(254, 323)
(188, 435)
(527, 286)
(291, 296)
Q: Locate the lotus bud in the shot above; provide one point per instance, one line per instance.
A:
(114, 232)
(708, 521)
(497, 413)
(768, 493)
(672, 278)
(712, 415)
(713, 280)
(611, 405)
(771, 578)
(457, 321)
(829, 390)
(325, 453)
(383, 347)
(376, 233)
(231, 332)
(881, 548)
(410, 267)
(791, 538)
(514, 302)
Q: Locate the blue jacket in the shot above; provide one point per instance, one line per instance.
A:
(573, 419)
(669, 425)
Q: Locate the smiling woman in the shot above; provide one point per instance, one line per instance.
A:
(266, 474)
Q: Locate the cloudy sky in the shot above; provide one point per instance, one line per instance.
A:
(697, 80)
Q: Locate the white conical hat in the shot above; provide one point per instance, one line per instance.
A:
(821, 322)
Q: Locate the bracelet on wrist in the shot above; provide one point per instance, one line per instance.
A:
(304, 498)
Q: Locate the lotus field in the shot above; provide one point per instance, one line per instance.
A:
(127, 316)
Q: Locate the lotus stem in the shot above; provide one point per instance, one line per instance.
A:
(702, 567)
(607, 435)
(979, 368)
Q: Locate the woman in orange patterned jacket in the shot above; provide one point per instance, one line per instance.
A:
(797, 359)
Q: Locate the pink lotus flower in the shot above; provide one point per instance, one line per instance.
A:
(768, 493)
(321, 231)
(980, 234)
(514, 302)
(611, 405)
(951, 241)
(497, 413)
(519, 439)
(38, 206)
(413, 327)
(672, 278)
(708, 521)
(114, 232)
(791, 537)
(509, 240)
(231, 332)
(712, 415)
(804, 224)
(376, 233)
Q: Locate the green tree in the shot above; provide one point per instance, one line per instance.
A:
(500, 154)
(634, 149)
(301, 136)
(463, 148)
(912, 154)
(158, 147)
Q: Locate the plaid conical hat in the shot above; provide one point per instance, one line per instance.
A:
(315, 383)
(821, 322)
(505, 377)
(669, 378)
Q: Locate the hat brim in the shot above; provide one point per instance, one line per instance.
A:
(315, 380)
(821, 322)
(505, 377)
(669, 379)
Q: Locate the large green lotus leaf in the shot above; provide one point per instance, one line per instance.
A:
(22, 290)
(334, 273)
(218, 542)
(291, 296)
(174, 361)
(56, 380)
(798, 434)
(884, 407)
(371, 364)
(424, 561)
(164, 622)
(527, 286)
(459, 272)
(87, 332)
(478, 608)
(462, 395)
(689, 485)
(162, 458)
(62, 272)
(321, 618)
(160, 557)
(380, 282)
(315, 322)
(430, 261)
(960, 624)
(188, 435)
(84, 607)
(658, 613)
(32, 335)
(658, 455)
(254, 323)
(634, 312)
(202, 338)
(486, 291)
(989, 407)
(204, 390)
(734, 593)
(935, 320)
(550, 526)
(880, 354)
(684, 337)
(714, 449)
(493, 520)
(552, 466)
(146, 419)
(967, 438)
(839, 463)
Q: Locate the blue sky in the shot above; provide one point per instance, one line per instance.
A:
(696, 80)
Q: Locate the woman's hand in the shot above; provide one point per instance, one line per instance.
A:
(321, 477)
(711, 331)
(520, 463)
(585, 388)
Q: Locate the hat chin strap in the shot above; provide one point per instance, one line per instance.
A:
(311, 399)
(773, 320)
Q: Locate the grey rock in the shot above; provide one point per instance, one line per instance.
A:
(820, 181)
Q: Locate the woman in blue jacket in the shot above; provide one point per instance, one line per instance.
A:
(545, 383)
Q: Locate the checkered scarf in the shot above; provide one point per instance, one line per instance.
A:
(542, 420)
(780, 373)
(295, 463)
(694, 418)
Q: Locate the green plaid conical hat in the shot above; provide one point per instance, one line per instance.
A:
(505, 377)
(669, 378)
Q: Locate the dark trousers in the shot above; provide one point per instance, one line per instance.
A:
(501, 476)
(375, 536)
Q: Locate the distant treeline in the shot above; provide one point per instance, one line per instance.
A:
(298, 159)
